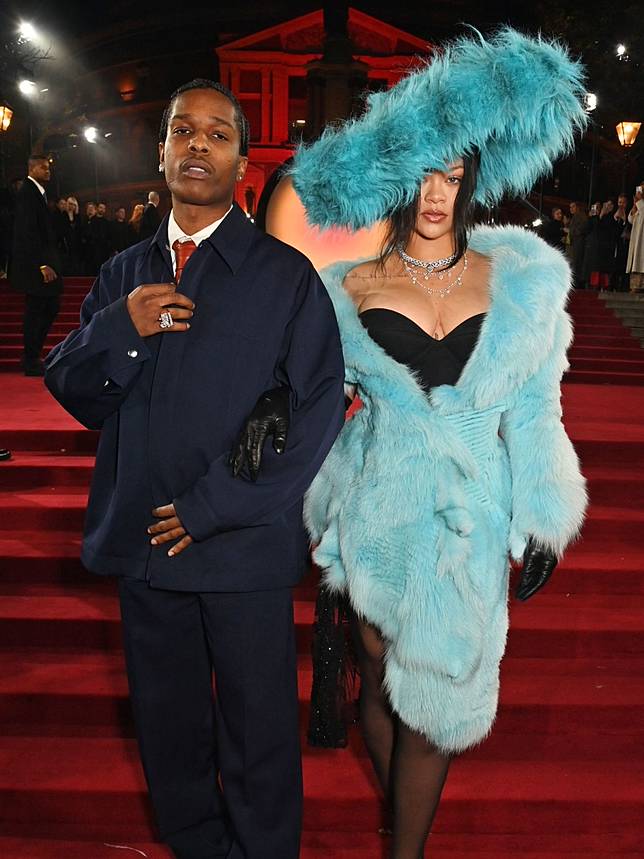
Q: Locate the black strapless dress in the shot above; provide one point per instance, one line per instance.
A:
(434, 362)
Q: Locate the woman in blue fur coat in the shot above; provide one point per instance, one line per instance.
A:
(454, 342)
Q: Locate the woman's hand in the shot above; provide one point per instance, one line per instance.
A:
(270, 416)
(538, 565)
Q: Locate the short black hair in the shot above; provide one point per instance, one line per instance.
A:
(35, 157)
(403, 220)
(204, 83)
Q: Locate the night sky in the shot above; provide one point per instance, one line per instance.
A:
(438, 17)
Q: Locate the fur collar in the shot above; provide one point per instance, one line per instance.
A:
(529, 285)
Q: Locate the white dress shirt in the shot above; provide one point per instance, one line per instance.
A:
(40, 187)
(175, 232)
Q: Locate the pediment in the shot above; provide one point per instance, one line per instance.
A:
(305, 34)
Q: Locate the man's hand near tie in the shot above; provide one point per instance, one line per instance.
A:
(151, 303)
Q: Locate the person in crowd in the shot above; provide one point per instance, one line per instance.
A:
(553, 229)
(603, 233)
(150, 219)
(166, 365)
(620, 278)
(120, 233)
(72, 238)
(96, 238)
(59, 218)
(35, 262)
(102, 229)
(635, 260)
(87, 236)
(578, 234)
(454, 455)
(135, 222)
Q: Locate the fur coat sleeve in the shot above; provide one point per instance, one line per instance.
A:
(548, 490)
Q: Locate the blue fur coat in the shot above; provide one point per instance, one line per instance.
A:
(422, 499)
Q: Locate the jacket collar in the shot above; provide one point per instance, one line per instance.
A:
(529, 284)
(231, 240)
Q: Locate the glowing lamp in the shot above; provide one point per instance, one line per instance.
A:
(5, 117)
(627, 132)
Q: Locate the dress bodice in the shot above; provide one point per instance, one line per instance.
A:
(435, 362)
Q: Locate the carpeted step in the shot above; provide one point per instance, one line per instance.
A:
(66, 440)
(16, 316)
(600, 339)
(64, 507)
(14, 326)
(635, 352)
(593, 377)
(583, 625)
(608, 365)
(611, 328)
(543, 708)
(356, 845)
(28, 470)
(52, 560)
(42, 781)
(38, 469)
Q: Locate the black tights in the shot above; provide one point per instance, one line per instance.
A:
(411, 771)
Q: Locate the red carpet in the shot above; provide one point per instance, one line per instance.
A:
(562, 774)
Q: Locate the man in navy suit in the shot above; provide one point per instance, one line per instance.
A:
(35, 262)
(179, 338)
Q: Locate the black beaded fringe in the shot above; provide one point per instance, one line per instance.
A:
(334, 672)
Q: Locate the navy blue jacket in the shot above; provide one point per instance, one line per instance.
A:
(170, 407)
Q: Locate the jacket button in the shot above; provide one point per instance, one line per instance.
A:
(132, 353)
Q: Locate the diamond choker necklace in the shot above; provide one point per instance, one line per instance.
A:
(429, 265)
(428, 269)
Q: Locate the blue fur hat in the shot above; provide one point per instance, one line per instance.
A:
(516, 99)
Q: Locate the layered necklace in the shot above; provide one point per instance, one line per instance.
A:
(425, 269)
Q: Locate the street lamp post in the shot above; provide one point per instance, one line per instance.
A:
(627, 132)
(91, 135)
(590, 102)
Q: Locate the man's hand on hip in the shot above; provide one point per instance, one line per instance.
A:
(158, 307)
(168, 528)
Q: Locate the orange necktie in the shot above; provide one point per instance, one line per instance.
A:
(183, 251)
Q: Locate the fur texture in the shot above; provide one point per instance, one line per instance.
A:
(420, 500)
(517, 99)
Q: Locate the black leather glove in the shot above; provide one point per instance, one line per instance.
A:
(538, 565)
(270, 416)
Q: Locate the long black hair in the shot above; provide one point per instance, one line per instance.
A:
(402, 221)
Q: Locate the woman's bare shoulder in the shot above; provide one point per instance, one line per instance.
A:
(360, 278)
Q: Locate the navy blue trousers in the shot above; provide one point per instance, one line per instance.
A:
(223, 766)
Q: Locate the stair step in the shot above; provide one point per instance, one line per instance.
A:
(611, 352)
(608, 365)
(593, 377)
(585, 625)
(93, 701)
(341, 845)
(42, 781)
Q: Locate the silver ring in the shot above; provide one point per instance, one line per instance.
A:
(166, 320)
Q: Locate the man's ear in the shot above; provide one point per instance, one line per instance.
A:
(161, 148)
(242, 164)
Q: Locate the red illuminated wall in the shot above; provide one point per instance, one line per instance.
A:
(267, 72)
